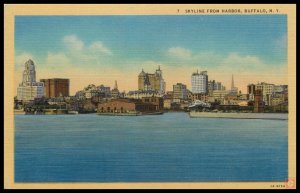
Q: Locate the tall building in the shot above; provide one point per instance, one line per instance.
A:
(267, 91)
(155, 82)
(258, 102)
(233, 90)
(179, 91)
(56, 87)
(251, 91)
(29, 89)
(200, 82)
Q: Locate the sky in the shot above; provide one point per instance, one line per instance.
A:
(101, 49)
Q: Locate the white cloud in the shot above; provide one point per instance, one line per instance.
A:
(73, 42)
(179, 52)
(237, 61)
(57, 60)
(99, 47)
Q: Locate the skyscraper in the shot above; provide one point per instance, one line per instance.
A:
(154, 82)
(200, 82)
(29, 89)
(56, 87)
(233, 90)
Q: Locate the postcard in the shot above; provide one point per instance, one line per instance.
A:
(194, 96)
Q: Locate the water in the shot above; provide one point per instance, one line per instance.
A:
(162, 148)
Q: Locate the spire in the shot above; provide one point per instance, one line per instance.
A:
(116, 85)
(232, 83)
(158, 67)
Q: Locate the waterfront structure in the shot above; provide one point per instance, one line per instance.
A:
(125, 106)
(155, 82)
(179, 91)
(158, 102)
(199, 82)
(56, 87)
(29, 89)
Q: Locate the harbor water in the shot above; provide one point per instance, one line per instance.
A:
(157, 148)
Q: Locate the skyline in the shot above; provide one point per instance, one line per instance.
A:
(81, 49)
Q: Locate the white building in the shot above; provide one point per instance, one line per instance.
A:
(200, 82)
(29, 89)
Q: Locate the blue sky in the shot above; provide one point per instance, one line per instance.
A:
(130, 43)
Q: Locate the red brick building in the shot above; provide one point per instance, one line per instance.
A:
(125, 106)
(56, 87)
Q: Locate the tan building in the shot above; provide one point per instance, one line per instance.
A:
(147, 81)
(179, 91)
(56, 87)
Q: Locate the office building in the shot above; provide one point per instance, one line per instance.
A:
(200, 82)
(155, 82)
(56, 87)
(29, 89)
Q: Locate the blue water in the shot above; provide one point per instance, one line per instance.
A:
(162, 148)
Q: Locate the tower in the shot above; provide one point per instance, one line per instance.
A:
(29, 89)
(232, 83)
(29, 73)
(116, 85)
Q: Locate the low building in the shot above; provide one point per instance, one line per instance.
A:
(139, 94)
(157, 101)
(125, 106)
(167, 103)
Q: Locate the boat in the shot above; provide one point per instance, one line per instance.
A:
(199, 103)
(239, 115)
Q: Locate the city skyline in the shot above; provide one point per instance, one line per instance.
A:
(102, 49)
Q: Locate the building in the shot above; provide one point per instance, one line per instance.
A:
(179, 91)
(213, 85)
(200, 82)
(158, 102)
(29, 89)
(115, 91)
(138, 94)
(218, 86)
(219, 95)
(56, 87)
(104, 89)
(147, 81)
(251, 91)
(258, 102)
(233, 90)
(125, 106)
(267, 91)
